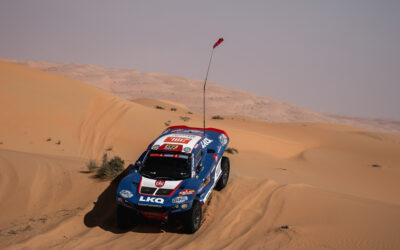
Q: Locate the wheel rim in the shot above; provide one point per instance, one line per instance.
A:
(225, 177)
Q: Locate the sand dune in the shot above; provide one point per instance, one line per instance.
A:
(333, 186)
(132, 84)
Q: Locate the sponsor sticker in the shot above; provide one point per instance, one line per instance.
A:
(205, 142)
(179, 199)
(125, 193)
(159, 183)
(223, 139)
(152, 199)
(186, 192)
(178, 140)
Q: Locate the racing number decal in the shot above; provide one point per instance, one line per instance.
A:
(171, 147)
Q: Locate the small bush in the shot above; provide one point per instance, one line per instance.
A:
(58, 142)
(217, 117)
(189, 112)
(159, 107)
(109, 149)
(232, 151)
(92, 166)
(110, 169)
(48, 139)
(1, 142)
(167, 123)
(184, 118)
(173, 109)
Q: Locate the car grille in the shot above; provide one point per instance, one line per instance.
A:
(151, 209)
(147, 190)
(163, 191)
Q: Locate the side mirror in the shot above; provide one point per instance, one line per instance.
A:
(131, 168)
(138, 165)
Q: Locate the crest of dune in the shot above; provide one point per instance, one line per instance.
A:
(292, 186)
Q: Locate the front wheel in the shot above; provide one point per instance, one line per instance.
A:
(193, 217)
(223, 180)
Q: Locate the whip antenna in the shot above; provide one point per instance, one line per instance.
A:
(205, 82)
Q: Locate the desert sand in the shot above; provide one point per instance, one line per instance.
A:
(133, 84)
(292, 185)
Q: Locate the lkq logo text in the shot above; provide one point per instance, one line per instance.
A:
(205, 142)
(152, 199)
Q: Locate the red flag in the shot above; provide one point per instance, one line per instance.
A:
(218, 42)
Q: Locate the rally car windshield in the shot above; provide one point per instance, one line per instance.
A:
(158, 166)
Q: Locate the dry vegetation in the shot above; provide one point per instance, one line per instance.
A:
(184, 118)
(109, 169)
(231, 151)
(217, 117)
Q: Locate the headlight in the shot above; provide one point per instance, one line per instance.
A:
(179, 199)
(125, 193)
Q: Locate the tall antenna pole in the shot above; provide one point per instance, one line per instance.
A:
(205, 82)
(204, 94)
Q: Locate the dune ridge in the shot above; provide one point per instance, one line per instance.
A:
(132, 84)
(292, 186)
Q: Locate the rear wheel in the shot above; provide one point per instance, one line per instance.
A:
(125, 217)
(193, 217)
(223, 180)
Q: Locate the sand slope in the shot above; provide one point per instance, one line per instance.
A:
(334, 186)
(132, 84)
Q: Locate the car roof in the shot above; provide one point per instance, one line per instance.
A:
(180, 142)
(187, 139)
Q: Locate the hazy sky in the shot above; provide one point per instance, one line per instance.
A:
(331, 56)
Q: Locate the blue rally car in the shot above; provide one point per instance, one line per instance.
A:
(174, 177)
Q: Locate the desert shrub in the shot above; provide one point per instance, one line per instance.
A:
(48, 139)
(217, 117)
(173, 109)
(92, 166)
(109, 149)
(189, 112)
(184, 118)
(232, 151)
(58, 142)
(110, 169)
(159, 107)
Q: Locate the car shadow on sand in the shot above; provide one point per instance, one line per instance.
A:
(103, 214)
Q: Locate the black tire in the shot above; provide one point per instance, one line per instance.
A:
(223, 180)
(125, 218)
(193, 217)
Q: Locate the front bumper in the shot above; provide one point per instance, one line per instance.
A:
(156, 212)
